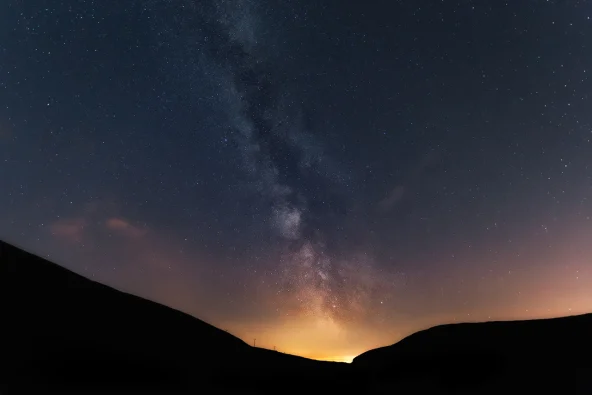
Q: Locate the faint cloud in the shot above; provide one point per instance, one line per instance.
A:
(69, 229)
(393, 198)
(124, 227)
(93, 219)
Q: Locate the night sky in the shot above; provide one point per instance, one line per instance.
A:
(324, 176)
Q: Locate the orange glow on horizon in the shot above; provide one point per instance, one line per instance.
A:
(301, 324)
(344, 359)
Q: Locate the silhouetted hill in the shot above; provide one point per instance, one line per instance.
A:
(61, 331)
(490, 357)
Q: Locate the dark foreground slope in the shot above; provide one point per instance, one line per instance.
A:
(492, 357)
(61, 331)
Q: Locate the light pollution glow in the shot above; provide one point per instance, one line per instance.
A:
(304, 320)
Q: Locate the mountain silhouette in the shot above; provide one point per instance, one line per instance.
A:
(63, 333)
(490, 357)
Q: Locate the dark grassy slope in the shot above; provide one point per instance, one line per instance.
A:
(60, 330)
(491, 356)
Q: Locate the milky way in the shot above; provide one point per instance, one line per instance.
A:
(281, 158)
